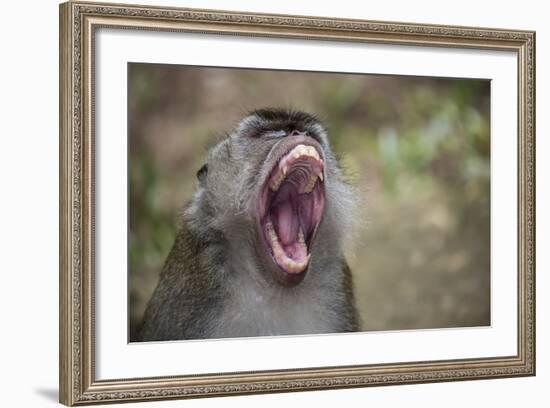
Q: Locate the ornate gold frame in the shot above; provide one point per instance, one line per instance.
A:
(78, 22)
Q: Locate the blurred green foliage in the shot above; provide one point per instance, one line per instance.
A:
(417, 150)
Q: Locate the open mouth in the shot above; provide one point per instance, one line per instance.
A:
(291, 206)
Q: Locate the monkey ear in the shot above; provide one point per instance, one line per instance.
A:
(201, 174)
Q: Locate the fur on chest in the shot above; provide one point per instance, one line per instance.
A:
(252, 311)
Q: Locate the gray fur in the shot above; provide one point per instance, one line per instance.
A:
(213, 283)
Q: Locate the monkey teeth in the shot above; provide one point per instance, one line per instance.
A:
(289, 264)
(302, 152)
(277, 180)
(290, 208)
(310, 184)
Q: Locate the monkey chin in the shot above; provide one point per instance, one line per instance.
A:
(290, 207)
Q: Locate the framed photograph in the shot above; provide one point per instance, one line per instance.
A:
(256, 203)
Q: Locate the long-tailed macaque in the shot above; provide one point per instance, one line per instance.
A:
(259, 251)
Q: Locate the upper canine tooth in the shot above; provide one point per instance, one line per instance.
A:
(301, 238)
(321, 176)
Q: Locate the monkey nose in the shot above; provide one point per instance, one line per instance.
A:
(297, 133)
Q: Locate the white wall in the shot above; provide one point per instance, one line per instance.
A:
(28, 203)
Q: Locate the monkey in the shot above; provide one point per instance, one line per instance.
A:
(259, 251)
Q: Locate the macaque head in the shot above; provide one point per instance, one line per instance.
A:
(274, 189)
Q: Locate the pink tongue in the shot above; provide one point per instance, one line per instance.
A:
(287, 223)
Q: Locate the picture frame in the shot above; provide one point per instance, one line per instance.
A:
(79, 25)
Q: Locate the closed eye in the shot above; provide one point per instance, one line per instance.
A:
(274, 133)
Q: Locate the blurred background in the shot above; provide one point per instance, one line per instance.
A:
(417, 150)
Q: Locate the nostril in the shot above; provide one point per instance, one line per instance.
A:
(297, 133)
